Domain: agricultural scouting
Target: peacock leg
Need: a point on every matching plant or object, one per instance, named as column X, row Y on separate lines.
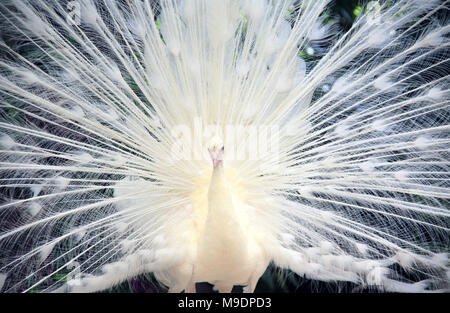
column 254, row 278
column 191, row 288
column 223, row 287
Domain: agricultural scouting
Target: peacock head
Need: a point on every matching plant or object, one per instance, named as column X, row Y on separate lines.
column 216, row 150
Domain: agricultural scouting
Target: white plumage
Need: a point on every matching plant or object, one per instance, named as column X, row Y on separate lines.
column 336, row 144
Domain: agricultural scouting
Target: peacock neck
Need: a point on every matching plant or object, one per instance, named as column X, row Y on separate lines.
column 219, row 193
column 222, row 247
column 221, row 211
column 218, row 171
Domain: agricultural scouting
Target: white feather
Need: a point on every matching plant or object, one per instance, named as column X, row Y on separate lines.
column 2, row 280
column 6, row 141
